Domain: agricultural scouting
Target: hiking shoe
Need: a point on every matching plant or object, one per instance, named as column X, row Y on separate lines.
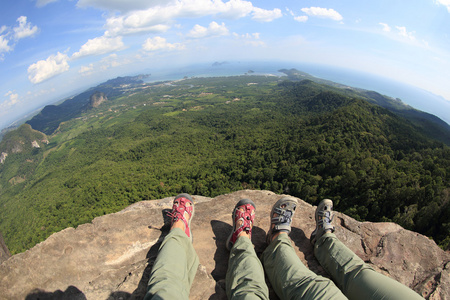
column 179, row 209
column 281, row 216
column 243, row 211
column 324, row 217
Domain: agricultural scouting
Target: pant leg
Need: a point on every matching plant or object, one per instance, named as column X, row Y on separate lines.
column 354, row 277
column 245, row 275
column 290, row 278
column 174, row 268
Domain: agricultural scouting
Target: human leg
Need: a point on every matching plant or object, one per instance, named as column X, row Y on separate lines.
column 356, row 279
column 174, row 268
column 289, row 277
column 245, row 275
column 177, row 262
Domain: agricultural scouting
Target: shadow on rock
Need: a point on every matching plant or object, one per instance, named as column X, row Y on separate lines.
column 221, row 231
column 141, row 289
column 71, row 293
column 304, row 245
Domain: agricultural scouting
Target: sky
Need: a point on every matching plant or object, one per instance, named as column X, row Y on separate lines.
column 50, row 49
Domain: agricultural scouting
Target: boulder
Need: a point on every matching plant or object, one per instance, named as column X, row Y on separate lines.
column 111, row 257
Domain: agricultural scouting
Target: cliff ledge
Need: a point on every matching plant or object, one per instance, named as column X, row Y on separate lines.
column 111, row 257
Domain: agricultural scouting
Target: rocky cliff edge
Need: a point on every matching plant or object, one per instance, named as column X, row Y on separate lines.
column 111, row 258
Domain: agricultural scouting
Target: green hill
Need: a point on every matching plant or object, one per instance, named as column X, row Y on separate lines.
column 211, row 136
column 51, row 116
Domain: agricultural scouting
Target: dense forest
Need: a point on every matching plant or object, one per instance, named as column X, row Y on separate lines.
column 210, row 136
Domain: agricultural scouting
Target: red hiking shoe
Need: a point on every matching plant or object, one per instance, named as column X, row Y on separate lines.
column 179, row 209
column 243, row 211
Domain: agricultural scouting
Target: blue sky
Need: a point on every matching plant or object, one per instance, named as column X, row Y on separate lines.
column 52, row 48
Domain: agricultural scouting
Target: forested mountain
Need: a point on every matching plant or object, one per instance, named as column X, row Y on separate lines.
column 51, row 116
column 210, row 136
column 431, row 125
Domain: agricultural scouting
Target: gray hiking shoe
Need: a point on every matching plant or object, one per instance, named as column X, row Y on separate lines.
column 324, row 217
column 281, row 216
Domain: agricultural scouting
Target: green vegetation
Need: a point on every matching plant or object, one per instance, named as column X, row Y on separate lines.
column 210, row 136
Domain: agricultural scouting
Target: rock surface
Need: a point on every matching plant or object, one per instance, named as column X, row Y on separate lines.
column 96, row 99
column 111, row 257
column 4, row 252
column 3, row 156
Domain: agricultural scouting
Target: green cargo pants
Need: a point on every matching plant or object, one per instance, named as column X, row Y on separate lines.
column 356, row 279
column 174, row 268
column 245, row 274
column 292, row 280
column 288, row 276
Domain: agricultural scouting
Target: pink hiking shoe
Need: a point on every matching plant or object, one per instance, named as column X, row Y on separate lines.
column 179, row 209
column 243, row 211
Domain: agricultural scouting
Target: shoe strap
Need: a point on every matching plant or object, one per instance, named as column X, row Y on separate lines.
column 283, row 220
column 326, row 217
column 178, row 210
column 247, row 216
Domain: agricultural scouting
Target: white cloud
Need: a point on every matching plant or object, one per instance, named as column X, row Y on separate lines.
column 213, row 30
column 301, row 18
column 45, row 69
column 112, row 61
column 120, row 5
column 159, row 18
column 250, row 39
column 100, row 45
column 289, row 11
column 10, row 36
column 108, row 62
column 264, row 15
column 404, row 33
column 136, row 23
column 320, row 12
column 4, row 47
column 24, row 29
column 86, row 70
column 233, row 9
column 386, row 27
column 446, row 3
column 13, row 99
column 41, row 3
column 401, row 34
column 158, row 43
